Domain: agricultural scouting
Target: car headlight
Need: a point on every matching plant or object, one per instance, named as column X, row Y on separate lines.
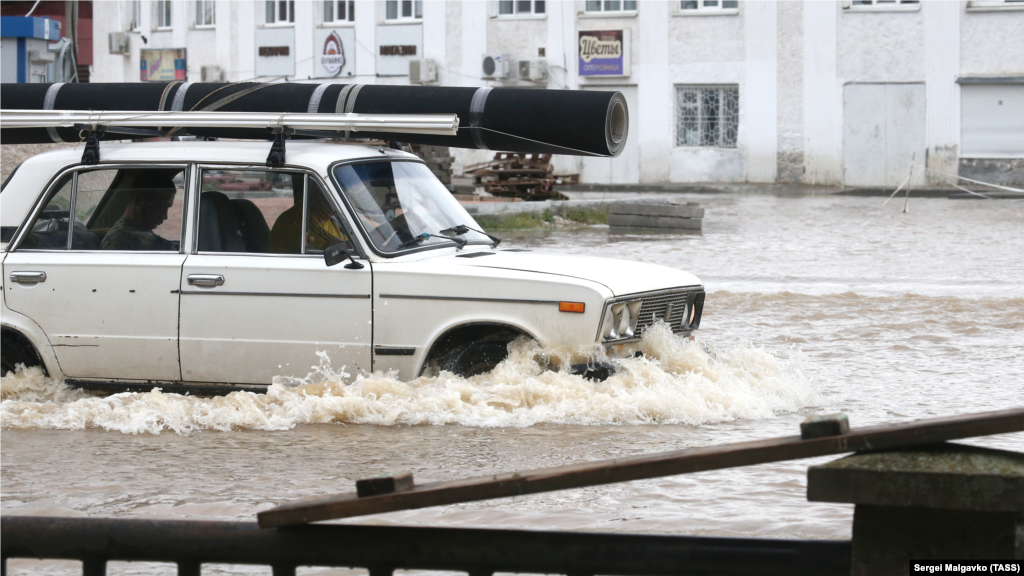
column 620, row 320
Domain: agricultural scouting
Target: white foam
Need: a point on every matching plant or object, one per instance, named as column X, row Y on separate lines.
column 677, row 382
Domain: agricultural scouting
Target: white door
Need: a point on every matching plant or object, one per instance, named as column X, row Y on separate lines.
column 624, row 168
column 883, row 134
column 103, row 284
column 992, row 121
column 257, row 299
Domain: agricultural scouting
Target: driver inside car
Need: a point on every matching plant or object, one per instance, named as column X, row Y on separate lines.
column 151, row 197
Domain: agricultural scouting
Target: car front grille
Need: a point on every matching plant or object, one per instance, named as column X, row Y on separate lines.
column 673, row 307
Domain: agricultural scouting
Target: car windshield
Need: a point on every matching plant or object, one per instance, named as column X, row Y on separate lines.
column 395, row 202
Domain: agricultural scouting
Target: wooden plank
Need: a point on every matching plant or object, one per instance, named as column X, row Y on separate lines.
column 645, row 466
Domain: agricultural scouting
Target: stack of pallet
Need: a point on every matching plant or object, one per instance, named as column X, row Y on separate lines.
column 438, row 159
column 528, row 176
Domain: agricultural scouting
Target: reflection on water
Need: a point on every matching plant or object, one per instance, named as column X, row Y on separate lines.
column 815, row 305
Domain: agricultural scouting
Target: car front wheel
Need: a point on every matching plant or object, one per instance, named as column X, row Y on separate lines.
column 477, row 357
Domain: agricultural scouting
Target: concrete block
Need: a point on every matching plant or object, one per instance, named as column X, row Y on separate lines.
column 943, row 501
column 384, row 484
column 667, row 223
column 950, row 476
column 824, row 426
column 661, row 209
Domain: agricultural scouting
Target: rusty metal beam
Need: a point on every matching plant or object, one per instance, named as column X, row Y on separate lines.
column 383, row 549
column 645, row 466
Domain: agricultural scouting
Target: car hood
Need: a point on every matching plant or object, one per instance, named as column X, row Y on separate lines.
column 620, row 276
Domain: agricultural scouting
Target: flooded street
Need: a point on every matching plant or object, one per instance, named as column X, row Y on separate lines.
column 815, row 305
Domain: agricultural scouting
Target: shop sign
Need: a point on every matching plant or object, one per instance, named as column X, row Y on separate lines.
column 334, row 52
column 163, row 65
column 604, row 52
column 275, row 51
column 396, row 46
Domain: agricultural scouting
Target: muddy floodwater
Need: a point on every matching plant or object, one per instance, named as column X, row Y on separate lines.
column 815, row 305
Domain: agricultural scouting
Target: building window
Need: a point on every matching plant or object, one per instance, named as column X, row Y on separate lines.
column 883, row 5
column 512, row 7
column 403, row 9
column 708, row 5
column 611, row 5
column 206, row 13
column 707, row 116
column 163, row 13
column 280, row 12
column 133, row 10
column 337, row 11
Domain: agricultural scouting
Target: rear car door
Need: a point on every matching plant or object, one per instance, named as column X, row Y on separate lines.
column 257, row 299
column 98, row 269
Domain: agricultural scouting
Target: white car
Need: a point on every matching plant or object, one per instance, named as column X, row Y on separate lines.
column 193, row 263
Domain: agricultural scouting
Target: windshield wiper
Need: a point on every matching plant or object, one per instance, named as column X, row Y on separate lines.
column 419, row 239
column 460, row 229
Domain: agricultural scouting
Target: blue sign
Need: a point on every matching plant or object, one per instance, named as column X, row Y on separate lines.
column 603, row 53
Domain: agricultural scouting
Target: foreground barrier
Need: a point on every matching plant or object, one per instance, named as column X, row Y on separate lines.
column 917, row 498
column 382, row 549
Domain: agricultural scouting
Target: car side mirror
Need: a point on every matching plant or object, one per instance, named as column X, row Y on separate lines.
column 336, row 254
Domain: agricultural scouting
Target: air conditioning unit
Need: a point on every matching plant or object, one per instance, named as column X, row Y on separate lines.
column 533, row 70
column 422, row 71
column 211, row 74
column 118, row 43
column 496, row 65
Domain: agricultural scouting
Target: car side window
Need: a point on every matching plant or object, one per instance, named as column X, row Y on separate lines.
column 323, row 226
column 261, row 212
column 49, row 231
column 129, row 209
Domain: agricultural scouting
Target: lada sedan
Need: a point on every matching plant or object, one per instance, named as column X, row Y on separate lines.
column 193, row 263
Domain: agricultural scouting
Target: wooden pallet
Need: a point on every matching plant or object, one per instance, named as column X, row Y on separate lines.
column 521, row 175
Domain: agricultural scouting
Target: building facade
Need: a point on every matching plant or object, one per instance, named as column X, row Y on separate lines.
column 847, row 93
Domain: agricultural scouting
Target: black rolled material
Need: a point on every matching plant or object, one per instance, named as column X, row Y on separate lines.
column 576, row 122
column 386, row 548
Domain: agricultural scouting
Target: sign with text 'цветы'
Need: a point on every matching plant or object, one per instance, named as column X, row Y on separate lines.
column 604, row 52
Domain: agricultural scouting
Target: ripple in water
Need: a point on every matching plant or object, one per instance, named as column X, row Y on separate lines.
column 678, row 381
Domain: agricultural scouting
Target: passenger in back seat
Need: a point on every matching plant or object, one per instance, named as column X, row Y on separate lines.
column 151, row 198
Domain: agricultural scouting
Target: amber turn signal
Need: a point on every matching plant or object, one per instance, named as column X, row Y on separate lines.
column 571, row 307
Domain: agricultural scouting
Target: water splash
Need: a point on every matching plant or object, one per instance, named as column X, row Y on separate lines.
column 677, row 381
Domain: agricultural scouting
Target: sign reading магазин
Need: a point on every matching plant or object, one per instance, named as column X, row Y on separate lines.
column 396, row 46
column 604, row 52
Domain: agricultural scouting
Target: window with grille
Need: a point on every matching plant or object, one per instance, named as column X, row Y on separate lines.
column 339, row 11
column 403, row 9
column 707, row 116
column 512, row 7
column 206, row 13
column 708, row 5
column 280, row 11
column 163, row 13
column 611, row 5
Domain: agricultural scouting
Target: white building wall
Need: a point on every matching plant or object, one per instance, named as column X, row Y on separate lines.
column 654, row 91
column 822, row 101
column 791, row 61
column 706, row 49
column 942, row 94
column 759, row 108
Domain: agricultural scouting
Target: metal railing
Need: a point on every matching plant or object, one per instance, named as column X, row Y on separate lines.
column 382, row 549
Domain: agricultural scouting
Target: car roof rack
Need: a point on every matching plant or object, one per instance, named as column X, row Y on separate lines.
column 92, row 125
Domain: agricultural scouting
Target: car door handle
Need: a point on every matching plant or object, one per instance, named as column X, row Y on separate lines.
column 28, row 277
column 208, row 280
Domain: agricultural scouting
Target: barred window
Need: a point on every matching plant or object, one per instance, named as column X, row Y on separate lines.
column 707, row 115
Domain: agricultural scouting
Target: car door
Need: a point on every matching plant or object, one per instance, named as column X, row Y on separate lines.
column 257, row 299
column 98, row 269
